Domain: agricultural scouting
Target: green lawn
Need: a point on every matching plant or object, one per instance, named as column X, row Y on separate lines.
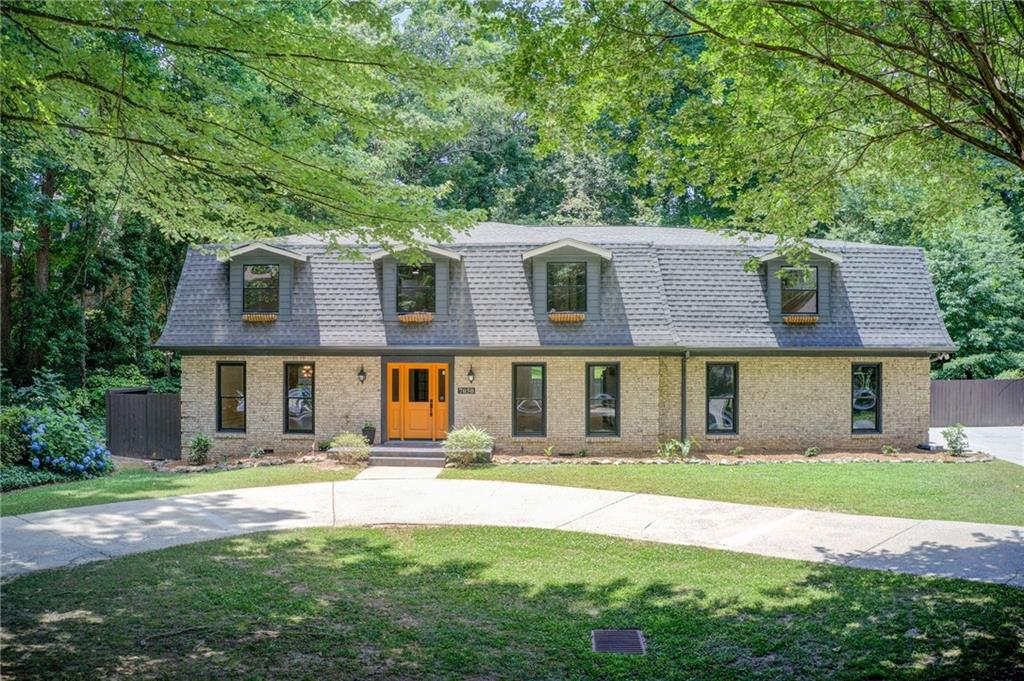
column 495, row 603
column 141, row 483
column 980, row 492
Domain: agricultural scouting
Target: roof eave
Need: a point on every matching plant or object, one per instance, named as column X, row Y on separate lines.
column 260, row 246
column 432, row 250
column 591, row 249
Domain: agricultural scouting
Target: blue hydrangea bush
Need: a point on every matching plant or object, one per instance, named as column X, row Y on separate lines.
column 64, row 443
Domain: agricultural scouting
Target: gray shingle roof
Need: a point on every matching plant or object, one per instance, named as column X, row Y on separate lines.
column 665, row 288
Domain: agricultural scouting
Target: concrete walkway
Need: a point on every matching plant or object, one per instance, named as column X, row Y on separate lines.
column 991, row 553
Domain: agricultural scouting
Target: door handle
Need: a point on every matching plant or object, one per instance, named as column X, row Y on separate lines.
column 431, row 407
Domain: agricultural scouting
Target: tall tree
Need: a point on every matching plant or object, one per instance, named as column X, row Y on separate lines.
column 785, row 101
column 226, row 120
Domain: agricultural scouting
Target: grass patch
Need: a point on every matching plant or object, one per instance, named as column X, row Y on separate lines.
column 496, row 603
column 142, row 483
column 978, row 492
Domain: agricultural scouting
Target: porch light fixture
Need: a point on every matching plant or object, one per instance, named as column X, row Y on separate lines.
column 471, row 376
column 362, row 374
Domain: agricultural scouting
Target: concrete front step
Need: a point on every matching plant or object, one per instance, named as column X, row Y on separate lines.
column 392, row 459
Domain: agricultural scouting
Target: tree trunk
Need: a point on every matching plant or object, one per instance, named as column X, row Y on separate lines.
column 42, row 275
column 6, row 282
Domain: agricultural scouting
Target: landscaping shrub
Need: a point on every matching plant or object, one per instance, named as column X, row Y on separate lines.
column 13, row 438
column 675, row 449
column 736, row 451
column 19, row 477
column 956, row 439
column 256, row 453
column 199, row 449
column 91, row 399
column 890, row 450
column 64, row 443
column 811, row 452
column 351, row 447
column 468, row 445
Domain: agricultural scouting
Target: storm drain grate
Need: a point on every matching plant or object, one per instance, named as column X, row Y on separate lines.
column 621, row 641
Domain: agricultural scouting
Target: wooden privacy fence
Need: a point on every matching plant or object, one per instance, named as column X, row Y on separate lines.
column 993, row 402
column 143, row 424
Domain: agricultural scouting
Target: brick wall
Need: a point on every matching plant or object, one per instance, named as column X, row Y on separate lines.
column 491, row 405
column 341, row 402
column 788, row 403
column 785, row 403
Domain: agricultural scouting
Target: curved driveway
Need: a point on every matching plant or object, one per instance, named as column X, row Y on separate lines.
column 992, row 553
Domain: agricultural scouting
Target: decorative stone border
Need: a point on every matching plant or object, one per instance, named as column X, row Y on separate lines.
column 168, row 467
column 731, row 461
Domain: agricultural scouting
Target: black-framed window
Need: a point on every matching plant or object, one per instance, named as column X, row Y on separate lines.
column 261, row 288
column 529, row 406
column 299, row 394
column 416, row 288
column 603, row 399
column 231, row 397
column 866, row 398
column 722, row 388
column 799, row 290
column 567, row 287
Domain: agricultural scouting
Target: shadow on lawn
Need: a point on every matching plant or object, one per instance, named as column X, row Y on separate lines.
column 320, row 605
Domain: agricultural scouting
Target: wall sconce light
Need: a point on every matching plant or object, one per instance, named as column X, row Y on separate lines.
column 471, row 376
column 361, row 375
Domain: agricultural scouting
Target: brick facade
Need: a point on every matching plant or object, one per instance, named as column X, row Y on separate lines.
column 785, row 403
column 788, row 403
column 341, row 402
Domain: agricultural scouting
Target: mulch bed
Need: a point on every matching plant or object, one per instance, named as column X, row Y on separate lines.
column 746, row 459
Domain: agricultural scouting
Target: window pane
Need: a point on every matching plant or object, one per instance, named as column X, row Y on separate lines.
column 232, row 380
column 395, row 386
column 567, row 286
column 300, row 414
column 260, row 285
column 602, row 400
column 721, row 397
column 419, row 385
column 528, row 397
column 721, row 380
column 866, row 400
column 299, row 397
column 800, row 291
column 442, row 384
column 415, row 288
column 232, row 413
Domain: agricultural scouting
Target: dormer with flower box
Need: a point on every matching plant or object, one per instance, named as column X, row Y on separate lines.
column 800, row 294
column 415, row 292
column 260, row 280
column 566, row 277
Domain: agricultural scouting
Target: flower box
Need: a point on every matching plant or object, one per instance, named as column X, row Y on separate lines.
column 416, row 317
column 800, row 319
column 259, row 317
column 566, row 317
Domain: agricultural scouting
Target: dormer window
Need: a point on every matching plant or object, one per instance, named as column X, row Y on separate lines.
column 416, row 288
column 799, row 291
column 260, row 288
column 567, row 287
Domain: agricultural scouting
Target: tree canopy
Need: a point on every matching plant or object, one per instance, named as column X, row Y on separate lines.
column 228, row 120
column 770, row 108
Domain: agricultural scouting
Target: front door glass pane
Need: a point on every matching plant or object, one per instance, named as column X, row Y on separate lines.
column 442, row 388
column 419, row 385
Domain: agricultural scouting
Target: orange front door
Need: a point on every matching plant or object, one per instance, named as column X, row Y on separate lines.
column 417, row 401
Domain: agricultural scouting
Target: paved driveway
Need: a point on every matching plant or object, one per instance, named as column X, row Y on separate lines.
column 1004, row 442
column 991, row 553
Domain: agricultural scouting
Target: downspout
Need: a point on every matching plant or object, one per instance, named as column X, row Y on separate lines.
column 682, row 424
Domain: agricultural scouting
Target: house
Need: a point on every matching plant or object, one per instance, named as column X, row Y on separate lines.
column 609, row 339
